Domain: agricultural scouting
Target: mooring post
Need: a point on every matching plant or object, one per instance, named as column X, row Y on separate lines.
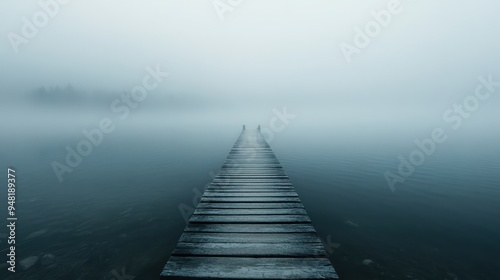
column 258, row 127
column 243, row 127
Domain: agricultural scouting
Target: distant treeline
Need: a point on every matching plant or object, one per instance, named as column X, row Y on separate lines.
column 69, row 95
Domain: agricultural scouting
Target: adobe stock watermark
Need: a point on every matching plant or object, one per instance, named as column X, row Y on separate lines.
column 277, row 123
column 40, row 19
column 121, row 106
column 329, row 245
column 363, row 36
column 453, row 116
column 225, row 6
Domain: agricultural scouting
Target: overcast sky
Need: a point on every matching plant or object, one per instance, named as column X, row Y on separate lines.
column 284, row 52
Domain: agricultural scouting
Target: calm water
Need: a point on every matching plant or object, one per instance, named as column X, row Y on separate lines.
column 118, row 211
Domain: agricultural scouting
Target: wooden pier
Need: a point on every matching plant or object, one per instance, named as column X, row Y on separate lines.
column 249, row 224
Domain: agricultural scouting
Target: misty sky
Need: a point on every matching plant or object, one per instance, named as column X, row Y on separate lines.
column 281, row 53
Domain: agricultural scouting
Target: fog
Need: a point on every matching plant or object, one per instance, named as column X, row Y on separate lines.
column 262, row 55
column 115, row 112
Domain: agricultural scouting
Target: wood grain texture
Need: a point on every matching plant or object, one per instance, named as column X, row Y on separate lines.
column 197, row 237
column 277, row 205
column 249, row 219
column 258, row 211
column 250, row 194
column 250, row 228
column 248, row 199
column 256, row 249
column 248, row 268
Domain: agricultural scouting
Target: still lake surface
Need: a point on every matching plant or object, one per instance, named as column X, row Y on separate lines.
column 117, row 214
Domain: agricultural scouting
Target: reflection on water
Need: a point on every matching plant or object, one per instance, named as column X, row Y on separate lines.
column 118, row 211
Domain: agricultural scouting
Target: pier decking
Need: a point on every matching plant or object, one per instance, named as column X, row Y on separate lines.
column 249, row 224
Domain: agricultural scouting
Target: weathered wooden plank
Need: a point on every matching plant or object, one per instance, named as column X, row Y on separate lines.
column 279, row 205
column 251, row 169
column 250, row 152
column 240, row 172
column 268, row 160
column 262, row 150
column 250, row 190
column 252, row 161
column 242, row 181
column 248, row 268
column 263, row 250
column 252, row 184
column 250, row 228
column 255, row 148
column 266, row 150
column 249, row 219
column 203, row 237
column 249, row 194
column 250, row 172
column 253, row 190
column 279, row 211
column 251, row 165
column 258, row 187
column 250, row 187
column 256, row 178
column 251, row 177
column 249, row 199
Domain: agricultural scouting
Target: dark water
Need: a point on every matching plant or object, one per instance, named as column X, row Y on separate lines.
column 118, row 212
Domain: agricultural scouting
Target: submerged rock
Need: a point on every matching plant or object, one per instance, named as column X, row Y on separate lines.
column 351, row 223
column 367, row 262
column 28, row 262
